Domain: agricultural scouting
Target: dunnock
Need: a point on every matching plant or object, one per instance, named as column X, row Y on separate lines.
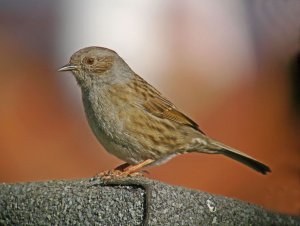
column 132, row 120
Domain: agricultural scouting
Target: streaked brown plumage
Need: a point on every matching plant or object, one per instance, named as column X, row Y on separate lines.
column 132, row 120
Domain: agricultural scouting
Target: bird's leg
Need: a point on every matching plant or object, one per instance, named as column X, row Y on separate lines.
column 132, row 169
column 122, row 167
column 125, row 170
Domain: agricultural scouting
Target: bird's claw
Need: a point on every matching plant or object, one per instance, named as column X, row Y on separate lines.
column 115, row 174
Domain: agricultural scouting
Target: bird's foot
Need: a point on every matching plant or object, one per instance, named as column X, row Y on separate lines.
column 117, row 174
column 125, row 170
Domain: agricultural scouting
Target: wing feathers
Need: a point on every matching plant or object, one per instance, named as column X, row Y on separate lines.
column 162, row 108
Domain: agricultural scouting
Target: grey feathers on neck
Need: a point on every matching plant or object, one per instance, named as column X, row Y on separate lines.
column 119, row 73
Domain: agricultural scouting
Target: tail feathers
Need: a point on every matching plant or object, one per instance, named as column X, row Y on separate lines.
column 241, row 157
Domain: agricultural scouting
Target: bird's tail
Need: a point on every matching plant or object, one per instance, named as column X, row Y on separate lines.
column 239, row 156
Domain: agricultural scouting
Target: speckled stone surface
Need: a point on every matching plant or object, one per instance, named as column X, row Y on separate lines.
column 131, row 201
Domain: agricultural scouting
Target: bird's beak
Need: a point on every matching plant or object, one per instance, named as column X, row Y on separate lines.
column 68, row 67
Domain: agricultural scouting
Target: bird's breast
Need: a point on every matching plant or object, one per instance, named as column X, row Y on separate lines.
column 100, row 112
column 107, row 114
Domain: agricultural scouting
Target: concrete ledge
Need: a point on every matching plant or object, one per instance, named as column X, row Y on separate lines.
column 131, row 201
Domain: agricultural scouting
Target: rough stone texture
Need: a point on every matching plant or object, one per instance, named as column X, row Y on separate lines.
column 131, row 201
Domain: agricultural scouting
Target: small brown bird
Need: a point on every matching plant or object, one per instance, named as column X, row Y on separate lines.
column 132, row 120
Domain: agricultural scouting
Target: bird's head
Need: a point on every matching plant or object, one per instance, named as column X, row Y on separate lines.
column 94, row 63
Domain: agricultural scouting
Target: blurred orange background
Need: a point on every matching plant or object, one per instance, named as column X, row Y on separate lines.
column 225, row 64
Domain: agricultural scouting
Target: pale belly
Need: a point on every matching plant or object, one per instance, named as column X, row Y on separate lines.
column 109, row 131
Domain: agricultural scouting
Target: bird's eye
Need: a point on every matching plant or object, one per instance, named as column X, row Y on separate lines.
column 89, row 60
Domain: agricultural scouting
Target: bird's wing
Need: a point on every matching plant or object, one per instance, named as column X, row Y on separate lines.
column 164, row 109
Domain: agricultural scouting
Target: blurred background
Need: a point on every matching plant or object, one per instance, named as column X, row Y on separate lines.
column 232, row 66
